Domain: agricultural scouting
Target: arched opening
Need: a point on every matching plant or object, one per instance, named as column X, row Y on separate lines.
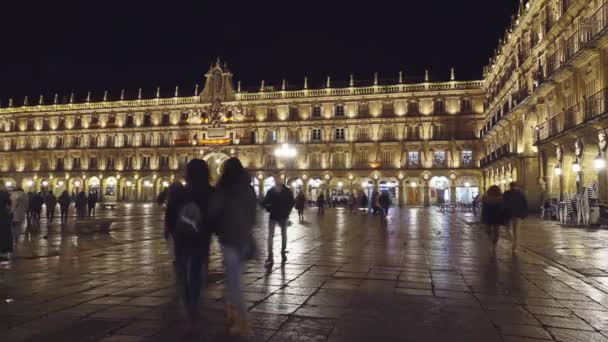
column 440, row 190
column 10, row 184
column 390, row 185
column 127, row 190
column 413, row 191
column 146, row 186
column 467, row 188
column 315, row 188
column 94, row 186
column 110, row 191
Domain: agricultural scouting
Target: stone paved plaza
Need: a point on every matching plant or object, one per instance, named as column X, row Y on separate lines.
column 425, row 276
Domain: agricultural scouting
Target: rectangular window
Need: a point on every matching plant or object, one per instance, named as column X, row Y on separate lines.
column 316, row 111
column 111, row 165
column 388, row 133
column 386, row 158
column 439, row 107
column 130, row 121
column 467, row 158
column 340, row 136
column 166, row 119
column 315, row 134
column 76, row 164
column 412, row 108
column 93, row 163
column 439, row 159
column 273, row 136
column 361, row 159
column 315, row 161
column 363, row 134
column 59, row 164
column 76, row 141
column 339, row 110
column 465, row 106
column 59, row 142
column 413, row 159
column 339, row 160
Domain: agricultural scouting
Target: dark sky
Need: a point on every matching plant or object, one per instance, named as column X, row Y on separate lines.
column 59, row 46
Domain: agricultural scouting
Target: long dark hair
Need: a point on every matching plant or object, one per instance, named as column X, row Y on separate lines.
column 197, row 174
column 234, row 173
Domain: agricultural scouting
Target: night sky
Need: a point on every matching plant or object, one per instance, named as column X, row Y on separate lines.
column 55, row 46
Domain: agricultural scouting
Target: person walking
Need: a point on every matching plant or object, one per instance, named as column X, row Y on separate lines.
column 64, row 204
column 352, row 202
column 475, row 204
column 235, row 194
column 493, row 215
column 363, row 203
column 29, row 213
column 6, row 224
column 516, row 208
column 80, row 203
column 188, row 225
column 36, row 206
column 19, row 208
column 92, row 202
column 300, row 202
column 384, row 202
column 321, row 204
column 278, row 202
column 50, row 201
column 376, row 203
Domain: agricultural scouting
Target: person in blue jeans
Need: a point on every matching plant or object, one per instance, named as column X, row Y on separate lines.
column 233, row 207
column 278, row 202
column 191, row 248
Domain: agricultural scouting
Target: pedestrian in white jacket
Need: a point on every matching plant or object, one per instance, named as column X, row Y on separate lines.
column 19, row 207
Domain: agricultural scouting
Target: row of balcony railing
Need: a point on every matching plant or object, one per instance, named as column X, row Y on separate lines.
column 585, row 32
column 499, row 153
column 593, row 107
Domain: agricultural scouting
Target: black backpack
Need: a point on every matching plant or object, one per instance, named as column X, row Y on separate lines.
column 189, row 221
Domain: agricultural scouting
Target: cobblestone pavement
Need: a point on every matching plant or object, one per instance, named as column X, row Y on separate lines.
column 425, row 276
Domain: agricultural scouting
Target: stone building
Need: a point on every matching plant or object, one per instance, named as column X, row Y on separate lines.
column 537, row 117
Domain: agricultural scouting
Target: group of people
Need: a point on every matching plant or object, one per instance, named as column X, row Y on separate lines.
column 18, row 209
column 503, row 209
column 194, row 213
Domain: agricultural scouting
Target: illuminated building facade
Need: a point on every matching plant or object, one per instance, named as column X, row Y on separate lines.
column 538, row 111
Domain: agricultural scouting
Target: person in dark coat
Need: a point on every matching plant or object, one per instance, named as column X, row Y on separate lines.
column 234, row 194
column 191, row 250
column 80, row 203
column 321, row 204
column 50, row 201
column 516, row 209
column 64, row 204
column 6, row 224
column 278, row 202
column 300, row 202
column 384, row 201
column 493, row 214
column 37, row 202
column 92, row 202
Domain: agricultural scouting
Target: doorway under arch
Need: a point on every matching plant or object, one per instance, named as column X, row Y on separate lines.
column 440, row 190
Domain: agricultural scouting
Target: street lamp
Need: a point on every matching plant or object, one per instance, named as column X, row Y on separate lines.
column 285, row 151
column 557, row 170
column 576, row 167
column 599, row 163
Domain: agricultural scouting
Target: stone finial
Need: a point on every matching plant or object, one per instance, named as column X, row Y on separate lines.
column 283, row 85
column 196, row 89
column 352, row 80
column 305, row 82
column 41, row 100
column 400, row 76
column 176, row 91
column 105, row 95
column 262, row 86
column 139, row 94
column 10, row 102
column 89, row 96
column 328, row 83
column 452, row 74
column 56, row 99
column 26, row 101
column 238, row 86
column 122, row 94
column 375, row 78
column 157, row 92
column 426, row 75
column 72, row 97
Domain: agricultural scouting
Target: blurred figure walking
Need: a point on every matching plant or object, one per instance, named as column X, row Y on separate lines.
column 92, row 202
column 50, row 201
column 279, row 203
column 19, row 208
column 80, row 203
column 493, row 214
column 516, row 208
column 300, row 202
column 187, row 223
column 321, row 204
column 234, row 194
column 64, row 204
column 6, row 224
column 36, row 206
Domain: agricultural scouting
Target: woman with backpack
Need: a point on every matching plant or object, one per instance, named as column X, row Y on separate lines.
column 234, row 194
column 186, row 222
column 493, row 214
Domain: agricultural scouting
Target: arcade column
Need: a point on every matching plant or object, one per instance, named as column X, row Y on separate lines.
column 453, row 192
column 401, row 188
column 425, row 191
